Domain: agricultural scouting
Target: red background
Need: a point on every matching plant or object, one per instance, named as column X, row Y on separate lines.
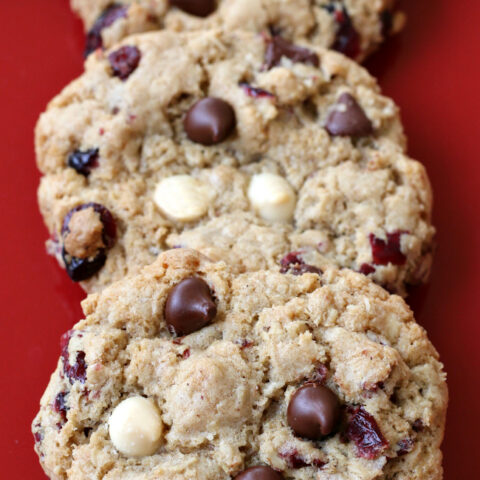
column 432, row 70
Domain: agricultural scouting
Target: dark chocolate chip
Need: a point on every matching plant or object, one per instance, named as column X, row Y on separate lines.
column 199, row 8
column 209, row 121
column 189, row 306
column 108, row 17
column 260, row 472
column 278, row 47
column 83, row 161
column 348, row 119
column 124, row 61
column 313, row 411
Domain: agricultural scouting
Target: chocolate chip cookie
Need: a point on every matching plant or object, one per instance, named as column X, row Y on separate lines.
column 189, row 370
column 250, row 149
column 353, row 27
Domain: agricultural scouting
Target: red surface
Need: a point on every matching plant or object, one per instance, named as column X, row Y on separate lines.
column 432, row 70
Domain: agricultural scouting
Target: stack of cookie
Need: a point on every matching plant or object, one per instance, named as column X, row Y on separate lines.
column 229, row 188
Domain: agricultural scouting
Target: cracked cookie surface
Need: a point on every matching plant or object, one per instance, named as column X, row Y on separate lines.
column 247, row 148
column 228, row 395
column 353, row 27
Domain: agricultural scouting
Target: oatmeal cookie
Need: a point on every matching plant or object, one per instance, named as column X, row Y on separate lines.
column 353, row 27
column 190, row 370
column 248, row 148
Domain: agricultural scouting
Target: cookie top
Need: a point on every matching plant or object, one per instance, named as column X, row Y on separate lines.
column 245, row 147
column 353, row 27
column 315, row 376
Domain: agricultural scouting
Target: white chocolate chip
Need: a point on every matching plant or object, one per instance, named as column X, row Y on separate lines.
column 183, row 198
column 272, row 197
column 135, row 427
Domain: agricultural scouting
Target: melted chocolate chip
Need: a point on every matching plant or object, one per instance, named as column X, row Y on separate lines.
column 83, row 161
column 259, row 473
column 348, row 118
column 313, row 411
column 199, row 8
column 209, row 121
column 189, row 306
column 108, row 17
column 124, row 61
column 278, row 47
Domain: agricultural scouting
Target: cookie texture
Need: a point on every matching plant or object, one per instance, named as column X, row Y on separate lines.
column 353, row 27
column 228, row 396
column 250, row 149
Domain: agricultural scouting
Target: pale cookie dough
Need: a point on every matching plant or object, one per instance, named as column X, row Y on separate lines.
column 275, row 156
column 353, row 27
column 130, row 399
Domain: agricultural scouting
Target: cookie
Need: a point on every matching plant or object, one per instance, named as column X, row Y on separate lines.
column 249, row 149
column 189, row 370
column 353, row 27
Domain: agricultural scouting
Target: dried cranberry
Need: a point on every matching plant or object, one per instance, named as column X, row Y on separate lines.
column 278, row 47
column 186, row 353
column 109, row 225
column 38, row 437
column 293, row 263
column 320, row 375
column 347, row 39
column 385, row 252
column 373, row 387
column 316, row 462
column 107, row 18
column 83, row 161
column 77, row 371
column 295, row 460
column 362, row 429
column 366, row 269
column 291, row 258
column 124, row 61
column 60, row 406
column 80, row 269
column 255, row 92
column 245, row 344
column 405, row 446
